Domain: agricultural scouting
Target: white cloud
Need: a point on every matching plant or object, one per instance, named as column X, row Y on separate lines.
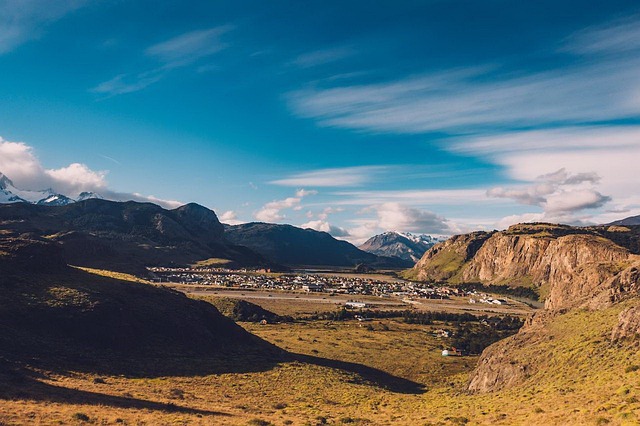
column 77, row 177
column 339, row 177
column 25, row 20
column 272, row 211
column 392, row 216
column 20, row 164
column 304, row 192
column 604, row 160
column 324, row 226
column 395, row 216
column 329, row 210
column 557, row 192
column 230, row 217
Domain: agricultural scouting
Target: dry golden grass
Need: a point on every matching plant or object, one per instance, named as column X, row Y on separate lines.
column 214, row 261
column 581, row 379
column 112, row 274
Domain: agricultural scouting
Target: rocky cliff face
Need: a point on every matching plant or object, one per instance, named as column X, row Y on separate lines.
column 568, row 266
column 573, row 268
column 445, row 260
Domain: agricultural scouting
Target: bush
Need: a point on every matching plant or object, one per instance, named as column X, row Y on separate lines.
column 81, row 416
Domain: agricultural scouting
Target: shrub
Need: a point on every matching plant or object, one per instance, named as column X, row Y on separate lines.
column 81, row 416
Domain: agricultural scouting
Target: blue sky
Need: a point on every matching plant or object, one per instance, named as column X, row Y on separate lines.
column 351, row 117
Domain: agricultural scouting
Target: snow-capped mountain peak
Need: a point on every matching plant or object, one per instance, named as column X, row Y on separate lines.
column 404, row 245
column 88, row 195
column 10, row 194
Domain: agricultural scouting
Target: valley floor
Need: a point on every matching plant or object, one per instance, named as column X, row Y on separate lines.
column 380, row 373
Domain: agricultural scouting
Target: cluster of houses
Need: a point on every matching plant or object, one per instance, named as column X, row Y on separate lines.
column 485, row 298
column 314, row 283
column 309, row 282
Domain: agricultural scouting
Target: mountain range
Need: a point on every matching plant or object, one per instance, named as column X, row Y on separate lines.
column 407, row 246
column 10, row 194
column 290, row 245
column 629, row 221
column 128, row 236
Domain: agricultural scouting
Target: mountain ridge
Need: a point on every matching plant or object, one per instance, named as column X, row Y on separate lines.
column 127, row 236
column 407, row 246
column 294, row 246
column 576, row 270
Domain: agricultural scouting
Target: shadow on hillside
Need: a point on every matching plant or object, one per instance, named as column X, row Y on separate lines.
column 368, row 374
column 21, row 384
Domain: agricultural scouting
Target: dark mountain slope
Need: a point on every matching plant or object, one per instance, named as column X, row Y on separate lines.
column 628, row 221
column 61, row 317
column 127, row 236
column 291, row 246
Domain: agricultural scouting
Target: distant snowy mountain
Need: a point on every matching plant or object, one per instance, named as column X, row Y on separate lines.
column 48, row 197
column 88, row 195
column 403, row 245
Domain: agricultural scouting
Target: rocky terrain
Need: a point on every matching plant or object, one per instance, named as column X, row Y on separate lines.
column 575, row 270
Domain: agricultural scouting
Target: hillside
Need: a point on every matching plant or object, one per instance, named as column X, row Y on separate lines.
column 628, row 221
column 586, row 276
column 126, row 236
column 59, row 317
column 544, row 257
column 394, row 244
column 289, row 245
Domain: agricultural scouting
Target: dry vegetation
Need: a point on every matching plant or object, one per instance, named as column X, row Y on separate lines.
column 380, row 372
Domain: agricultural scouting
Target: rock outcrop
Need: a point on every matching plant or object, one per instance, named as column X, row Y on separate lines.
column 445, row 260
column 628, row 325
column 568, row 266
column 572, row 268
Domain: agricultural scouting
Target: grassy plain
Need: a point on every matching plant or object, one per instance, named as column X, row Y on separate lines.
column 376, row 373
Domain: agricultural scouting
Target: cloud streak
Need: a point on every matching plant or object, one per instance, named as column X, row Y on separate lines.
column 322, row 57
column 338, row 177
column 603, row 85
column 25, row 20
column 178, row 52
column 477, row 99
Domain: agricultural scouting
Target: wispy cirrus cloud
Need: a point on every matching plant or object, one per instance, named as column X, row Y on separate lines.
column 478, row 99
column 602, row 85
column 456, row 196
column 337, row 177
column 322, row 56
column 25, row 20
column 189, row 47
column 616, row 37
column 177, row 52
